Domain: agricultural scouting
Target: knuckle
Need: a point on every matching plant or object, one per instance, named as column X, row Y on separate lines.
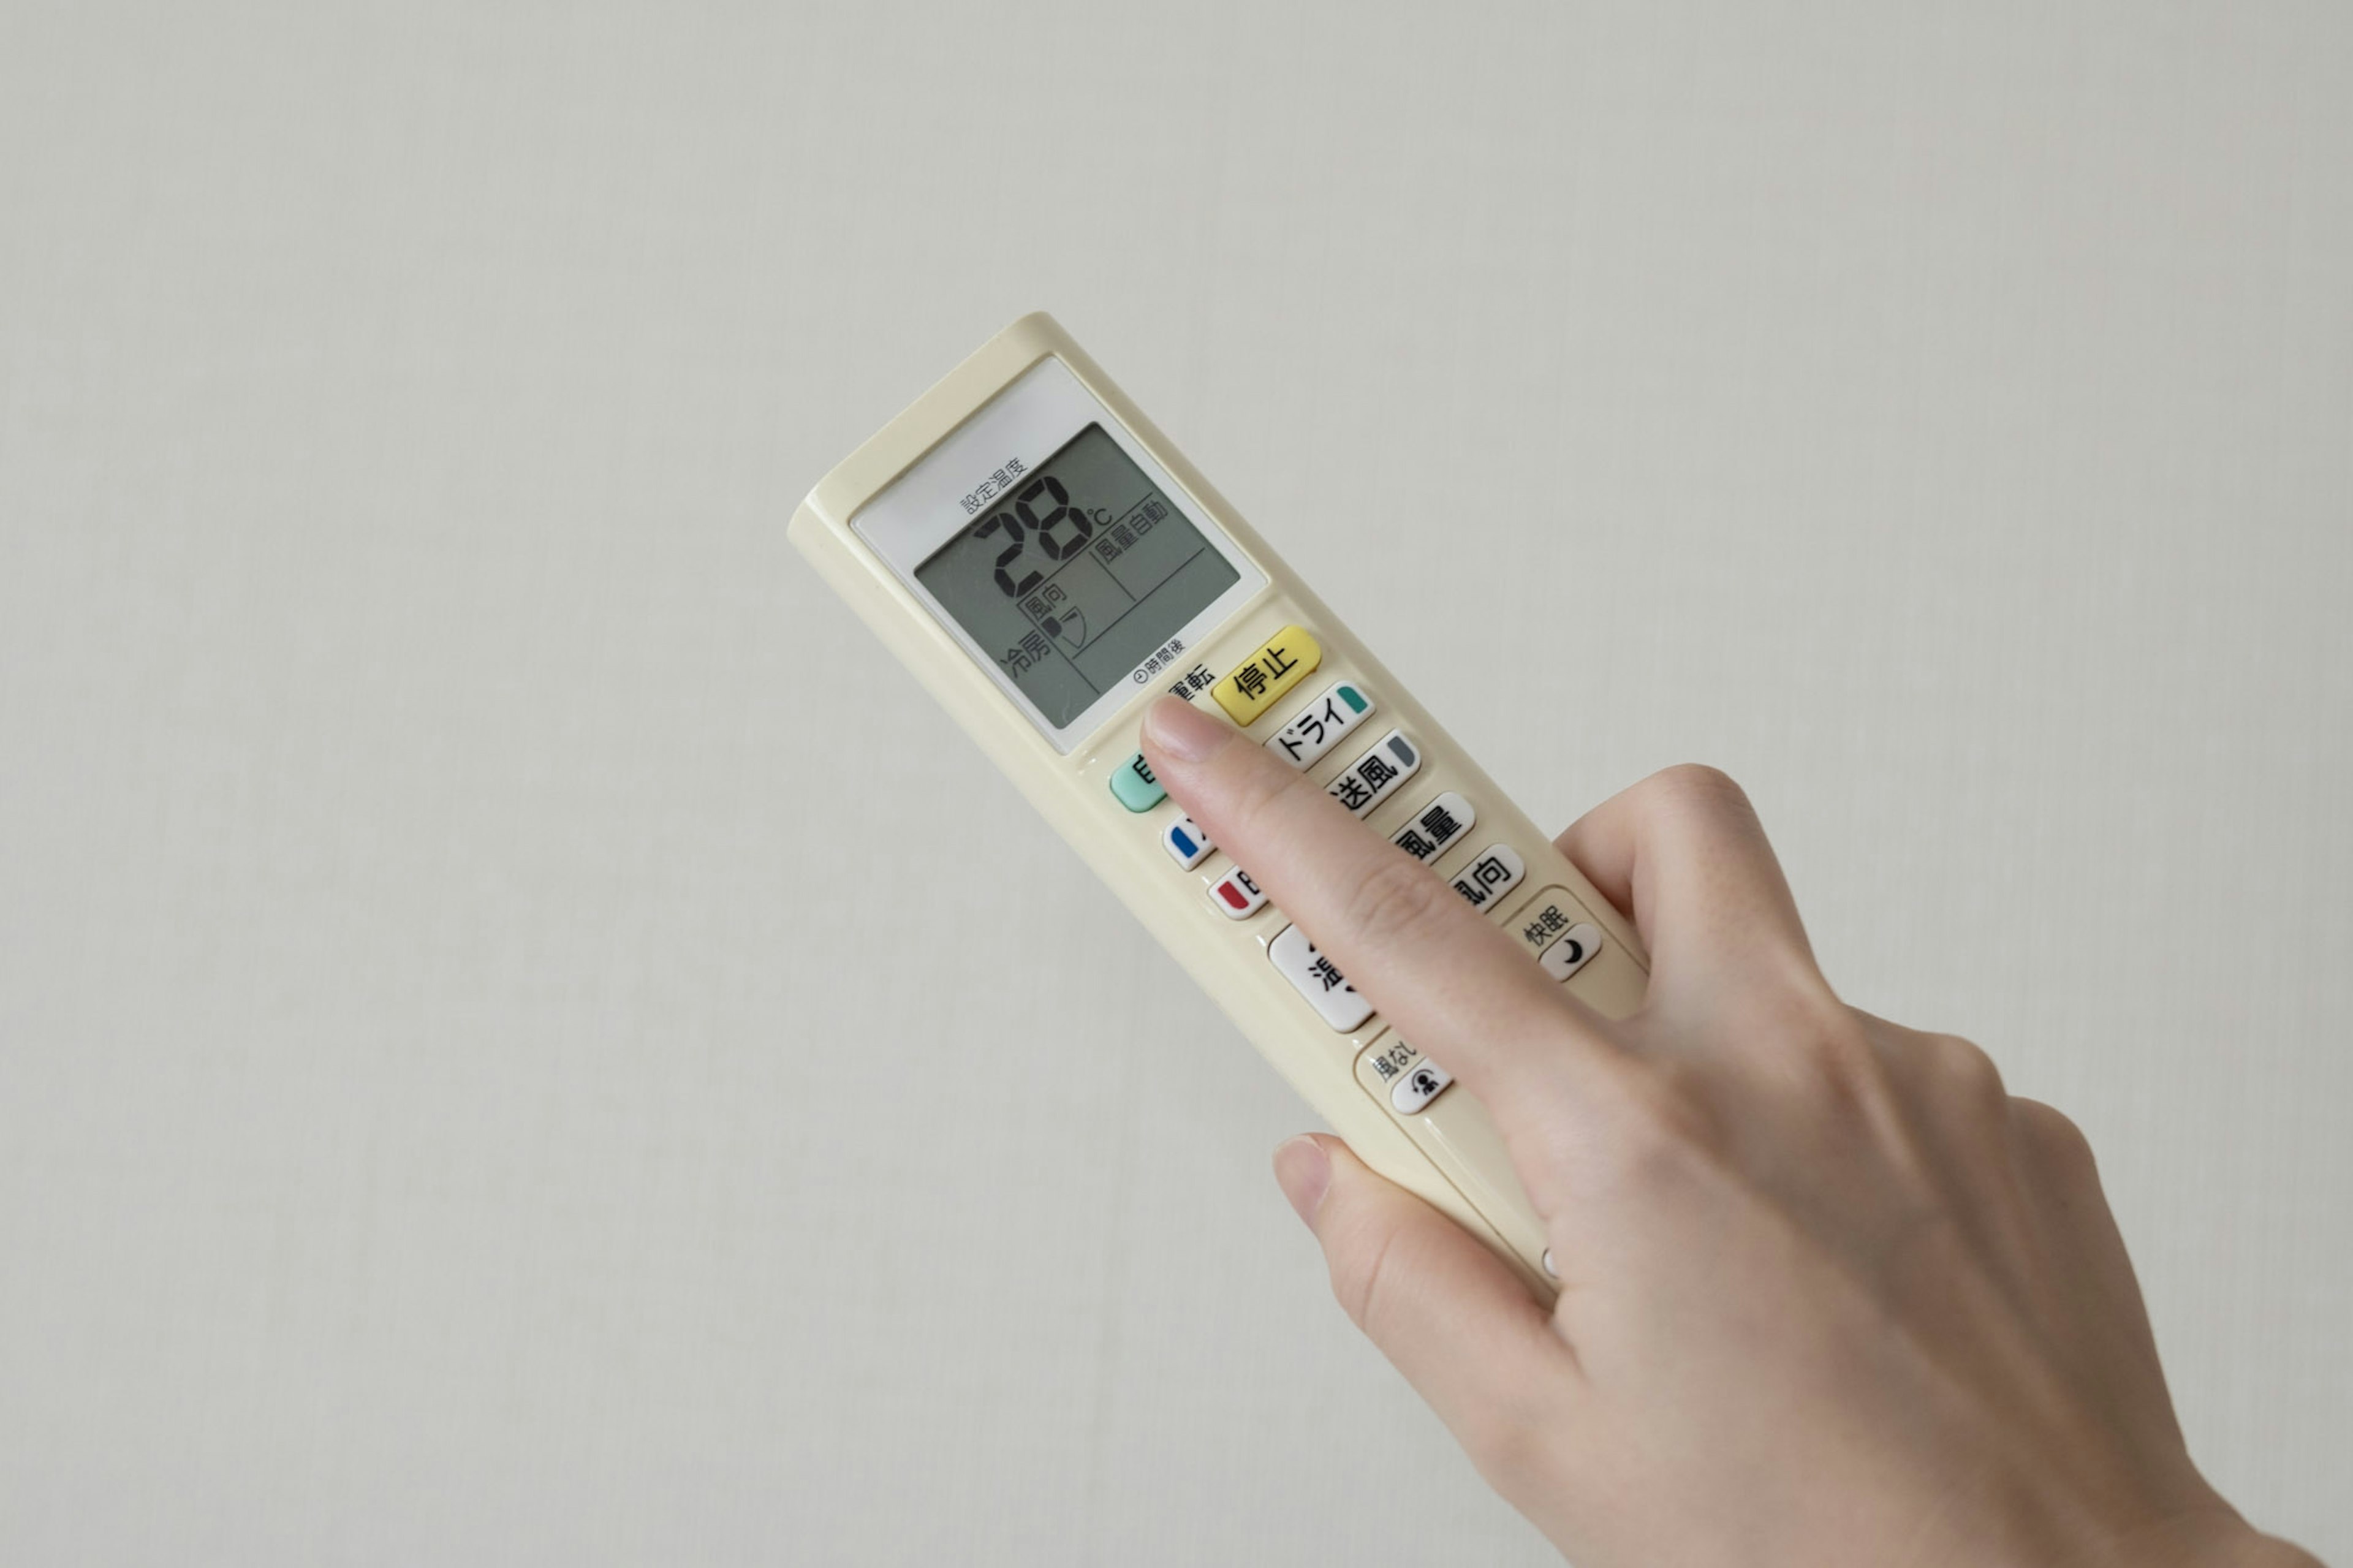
column 1698, row 785
column 1964, row 1076
column 1846, row 1073
column 1809, row 1018
column 1830, row 1042
column 1395, row 896
column 2054, row 1133
column 1837, row 1039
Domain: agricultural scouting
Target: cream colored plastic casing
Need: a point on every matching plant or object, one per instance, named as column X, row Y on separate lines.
column 1357, row 1079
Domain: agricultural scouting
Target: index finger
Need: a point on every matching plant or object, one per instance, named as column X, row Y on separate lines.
column 1447, row 978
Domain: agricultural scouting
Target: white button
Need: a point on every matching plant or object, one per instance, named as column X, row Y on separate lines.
column 1376, row 774
column 1439, row 824
column 1550, row 1272
column 1571, row 952
column 1186, row 843
column 1422, row 1083
column 1496, row 872
column 1237, row 897
column 1326, row 989
column 1320, row 725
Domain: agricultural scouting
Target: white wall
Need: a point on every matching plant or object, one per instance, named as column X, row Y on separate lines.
column 522, row 1039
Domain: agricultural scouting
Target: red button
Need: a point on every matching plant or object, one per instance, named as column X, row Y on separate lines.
column 1236, row 895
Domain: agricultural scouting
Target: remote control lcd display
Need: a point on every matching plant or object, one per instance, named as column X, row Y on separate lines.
column 1077, row 573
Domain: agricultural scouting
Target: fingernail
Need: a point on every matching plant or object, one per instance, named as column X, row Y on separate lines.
column 1183, row 730
column 1302, row 1171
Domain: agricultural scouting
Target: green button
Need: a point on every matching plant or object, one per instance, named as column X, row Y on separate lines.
column 1132, row 782
column 1352, row 698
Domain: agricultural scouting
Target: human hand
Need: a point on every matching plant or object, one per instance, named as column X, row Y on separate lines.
column 1829, row 1293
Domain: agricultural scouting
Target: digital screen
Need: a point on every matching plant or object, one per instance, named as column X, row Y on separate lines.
column 1080, row 572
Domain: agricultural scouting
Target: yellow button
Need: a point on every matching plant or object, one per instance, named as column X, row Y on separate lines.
column 1267, row 674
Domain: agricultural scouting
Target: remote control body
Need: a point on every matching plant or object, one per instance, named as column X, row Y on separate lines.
column 1046, row 564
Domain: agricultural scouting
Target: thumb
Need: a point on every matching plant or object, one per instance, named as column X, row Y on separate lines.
column 1446, row 1311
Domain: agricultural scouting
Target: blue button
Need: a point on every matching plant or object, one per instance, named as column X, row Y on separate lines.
column 1186, row 843
column 1132, row 782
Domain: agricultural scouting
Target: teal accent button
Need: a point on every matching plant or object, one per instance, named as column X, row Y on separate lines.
column 1132, row 782
column 1352, row 697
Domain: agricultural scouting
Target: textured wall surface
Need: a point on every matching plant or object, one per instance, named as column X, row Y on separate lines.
column 525, row 1039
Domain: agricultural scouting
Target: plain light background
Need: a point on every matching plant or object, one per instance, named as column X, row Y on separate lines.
column 525, row 1039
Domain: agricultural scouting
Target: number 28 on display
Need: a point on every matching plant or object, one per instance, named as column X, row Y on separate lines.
column 1016, row 530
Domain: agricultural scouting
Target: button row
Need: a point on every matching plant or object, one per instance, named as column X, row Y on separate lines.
column 1277, row 667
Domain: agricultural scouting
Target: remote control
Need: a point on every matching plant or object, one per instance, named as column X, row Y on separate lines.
column 1046, row 564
